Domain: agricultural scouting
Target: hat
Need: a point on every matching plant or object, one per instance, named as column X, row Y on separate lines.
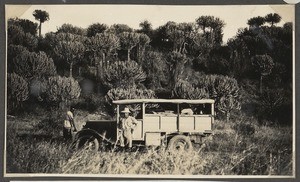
column 126, row 110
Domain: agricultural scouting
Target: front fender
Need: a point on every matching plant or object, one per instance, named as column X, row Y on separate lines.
column 94, row 133
column 88, row 131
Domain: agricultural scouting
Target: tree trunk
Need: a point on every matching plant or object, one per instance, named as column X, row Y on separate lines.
column 138, row 53
column 71, row 69
column 227, row 116
column 203, row 29
column 103, row 60
column 40, row 29
column 142, row 53
column 128, row 54
column 260, row 84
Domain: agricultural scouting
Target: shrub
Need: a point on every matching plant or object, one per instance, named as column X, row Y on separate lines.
column 12, row 52
column 227, row 105
column 16, row 36
column 123, row 75
column 219, row 86
column 95, row 28
column 244, row 128
column 69, row 28
column 30, row 64
column 183, row 89
column 224, row 90
column 176, row 63
column 274, row 105
column 130, row 93
column 90, row 102
column 62, row 89
column 155, row 66
column 17, row 91
column 27, row 25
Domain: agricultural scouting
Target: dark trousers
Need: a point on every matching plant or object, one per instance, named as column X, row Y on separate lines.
column 67, row 133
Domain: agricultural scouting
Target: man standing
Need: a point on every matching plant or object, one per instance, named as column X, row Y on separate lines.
column 127, row 125
column 69, row 124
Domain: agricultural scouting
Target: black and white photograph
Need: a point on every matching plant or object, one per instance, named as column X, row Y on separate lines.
column 168, row 91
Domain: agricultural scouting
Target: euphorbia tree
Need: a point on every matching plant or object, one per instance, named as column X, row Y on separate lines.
column 62, row 90
column 70, row 49
column 128, row 41
column 263, row 65
column 33, row 65
column 41, row 16
column 102, row 45
column 17, row 91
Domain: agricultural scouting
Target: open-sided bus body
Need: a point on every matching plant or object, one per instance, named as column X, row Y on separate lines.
column 159, row 121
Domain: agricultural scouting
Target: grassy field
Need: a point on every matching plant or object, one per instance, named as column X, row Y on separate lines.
column 235, row 148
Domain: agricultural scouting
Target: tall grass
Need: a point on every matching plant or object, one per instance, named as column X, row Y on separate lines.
column 232, row 150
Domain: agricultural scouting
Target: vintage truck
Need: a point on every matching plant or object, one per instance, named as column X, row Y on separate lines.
column 161, row 122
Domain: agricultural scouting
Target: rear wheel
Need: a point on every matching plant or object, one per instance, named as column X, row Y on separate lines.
column 180, row 143
column 87, row 142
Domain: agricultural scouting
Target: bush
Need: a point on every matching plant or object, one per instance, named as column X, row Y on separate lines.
column 123, row 75
column 155, row 66
column 69, row 28
column 90, row 102
column 271, row 105
column 131, row 93
column 30, row 64
column 244, row 128
column 12, row 52
column 227, row 105
column 224, row 90
column 17, row 36
column 17, row 91
column 27, row 25
column 95, row 28
column 62, row 89
column 185, row 90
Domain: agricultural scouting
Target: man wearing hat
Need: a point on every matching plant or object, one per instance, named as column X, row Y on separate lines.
column 127, row 125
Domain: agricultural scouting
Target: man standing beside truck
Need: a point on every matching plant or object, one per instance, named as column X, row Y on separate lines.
column 127, row 125
column 69, row 124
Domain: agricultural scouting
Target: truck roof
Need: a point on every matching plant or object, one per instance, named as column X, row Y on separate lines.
column 173, row 101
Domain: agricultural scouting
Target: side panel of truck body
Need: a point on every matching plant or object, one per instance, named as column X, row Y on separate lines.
column 170, row 124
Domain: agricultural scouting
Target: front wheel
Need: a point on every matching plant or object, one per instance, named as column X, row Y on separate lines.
column 180, row 143
column 87, row 142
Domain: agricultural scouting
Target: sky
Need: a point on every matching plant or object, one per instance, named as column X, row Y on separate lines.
column 234, row 16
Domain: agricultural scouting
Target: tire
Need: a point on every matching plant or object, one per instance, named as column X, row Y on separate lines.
column 87, row 142
column 180, row 143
